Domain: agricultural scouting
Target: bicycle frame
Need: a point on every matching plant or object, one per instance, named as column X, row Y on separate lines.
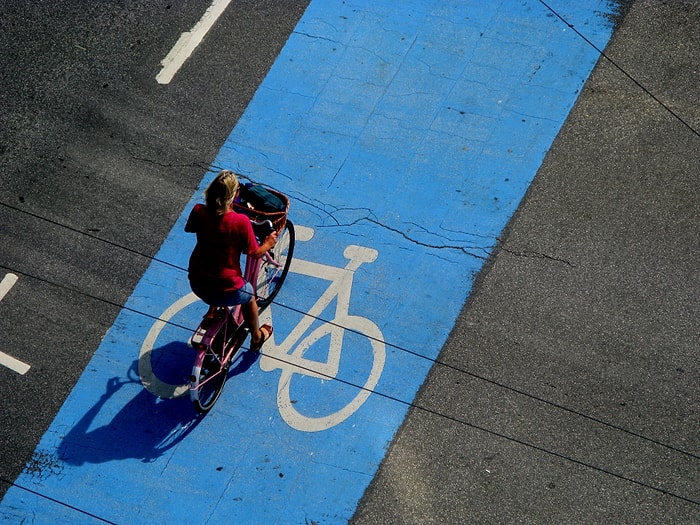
column 204, row 336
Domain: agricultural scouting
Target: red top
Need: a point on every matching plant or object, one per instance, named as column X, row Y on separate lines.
column 215, row 262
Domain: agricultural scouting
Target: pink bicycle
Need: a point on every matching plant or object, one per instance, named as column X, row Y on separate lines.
column 219, row 338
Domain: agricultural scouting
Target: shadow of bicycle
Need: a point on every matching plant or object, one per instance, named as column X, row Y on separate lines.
column 146, row 426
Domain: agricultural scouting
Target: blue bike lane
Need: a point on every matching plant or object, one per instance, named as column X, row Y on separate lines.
column 411, row 131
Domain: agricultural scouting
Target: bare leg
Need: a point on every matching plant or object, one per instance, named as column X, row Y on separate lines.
column 250, row 314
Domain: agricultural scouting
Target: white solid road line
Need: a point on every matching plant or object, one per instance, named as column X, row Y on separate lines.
column 5, row 360
column 7, row 282
column 13, row 364
column 189, row 41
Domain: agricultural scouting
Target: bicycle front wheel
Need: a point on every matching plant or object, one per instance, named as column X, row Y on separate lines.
column 275, row 266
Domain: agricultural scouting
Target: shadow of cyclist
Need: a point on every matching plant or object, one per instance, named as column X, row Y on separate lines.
column 171, row 364
column 243, row 363
column 144, row 428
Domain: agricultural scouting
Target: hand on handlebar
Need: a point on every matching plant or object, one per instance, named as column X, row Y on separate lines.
column 266, row 245
column 270, row 240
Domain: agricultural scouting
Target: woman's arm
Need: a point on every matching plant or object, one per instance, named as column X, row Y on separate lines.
column 193, row 220
column 267, row 245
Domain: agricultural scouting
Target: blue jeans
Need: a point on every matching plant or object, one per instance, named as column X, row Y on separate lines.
column 229, row 298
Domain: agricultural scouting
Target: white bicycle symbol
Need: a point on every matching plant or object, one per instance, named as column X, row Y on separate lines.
column 289, row 354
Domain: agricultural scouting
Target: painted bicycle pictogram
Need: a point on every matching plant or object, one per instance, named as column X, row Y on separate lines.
column 289, row 354
column 292, row 354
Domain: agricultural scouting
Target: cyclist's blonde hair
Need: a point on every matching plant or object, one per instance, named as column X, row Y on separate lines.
column 221, row 192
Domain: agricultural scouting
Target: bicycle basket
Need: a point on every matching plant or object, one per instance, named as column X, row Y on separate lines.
column 261, row 203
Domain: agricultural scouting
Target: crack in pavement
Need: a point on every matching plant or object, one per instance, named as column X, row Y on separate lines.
column 537, row 255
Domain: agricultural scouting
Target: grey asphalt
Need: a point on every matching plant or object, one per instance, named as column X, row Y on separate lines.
column 568, row 391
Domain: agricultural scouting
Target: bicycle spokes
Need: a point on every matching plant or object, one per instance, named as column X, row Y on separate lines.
column 217, row 340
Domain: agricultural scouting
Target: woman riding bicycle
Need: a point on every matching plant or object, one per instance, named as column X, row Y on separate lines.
column 215, row 264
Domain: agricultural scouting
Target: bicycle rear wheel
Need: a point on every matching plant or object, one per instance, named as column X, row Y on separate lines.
column 208, row 378
column 274, row 269
column 209, row 374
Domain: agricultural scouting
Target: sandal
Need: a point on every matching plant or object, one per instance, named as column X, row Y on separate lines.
column 266, row 332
